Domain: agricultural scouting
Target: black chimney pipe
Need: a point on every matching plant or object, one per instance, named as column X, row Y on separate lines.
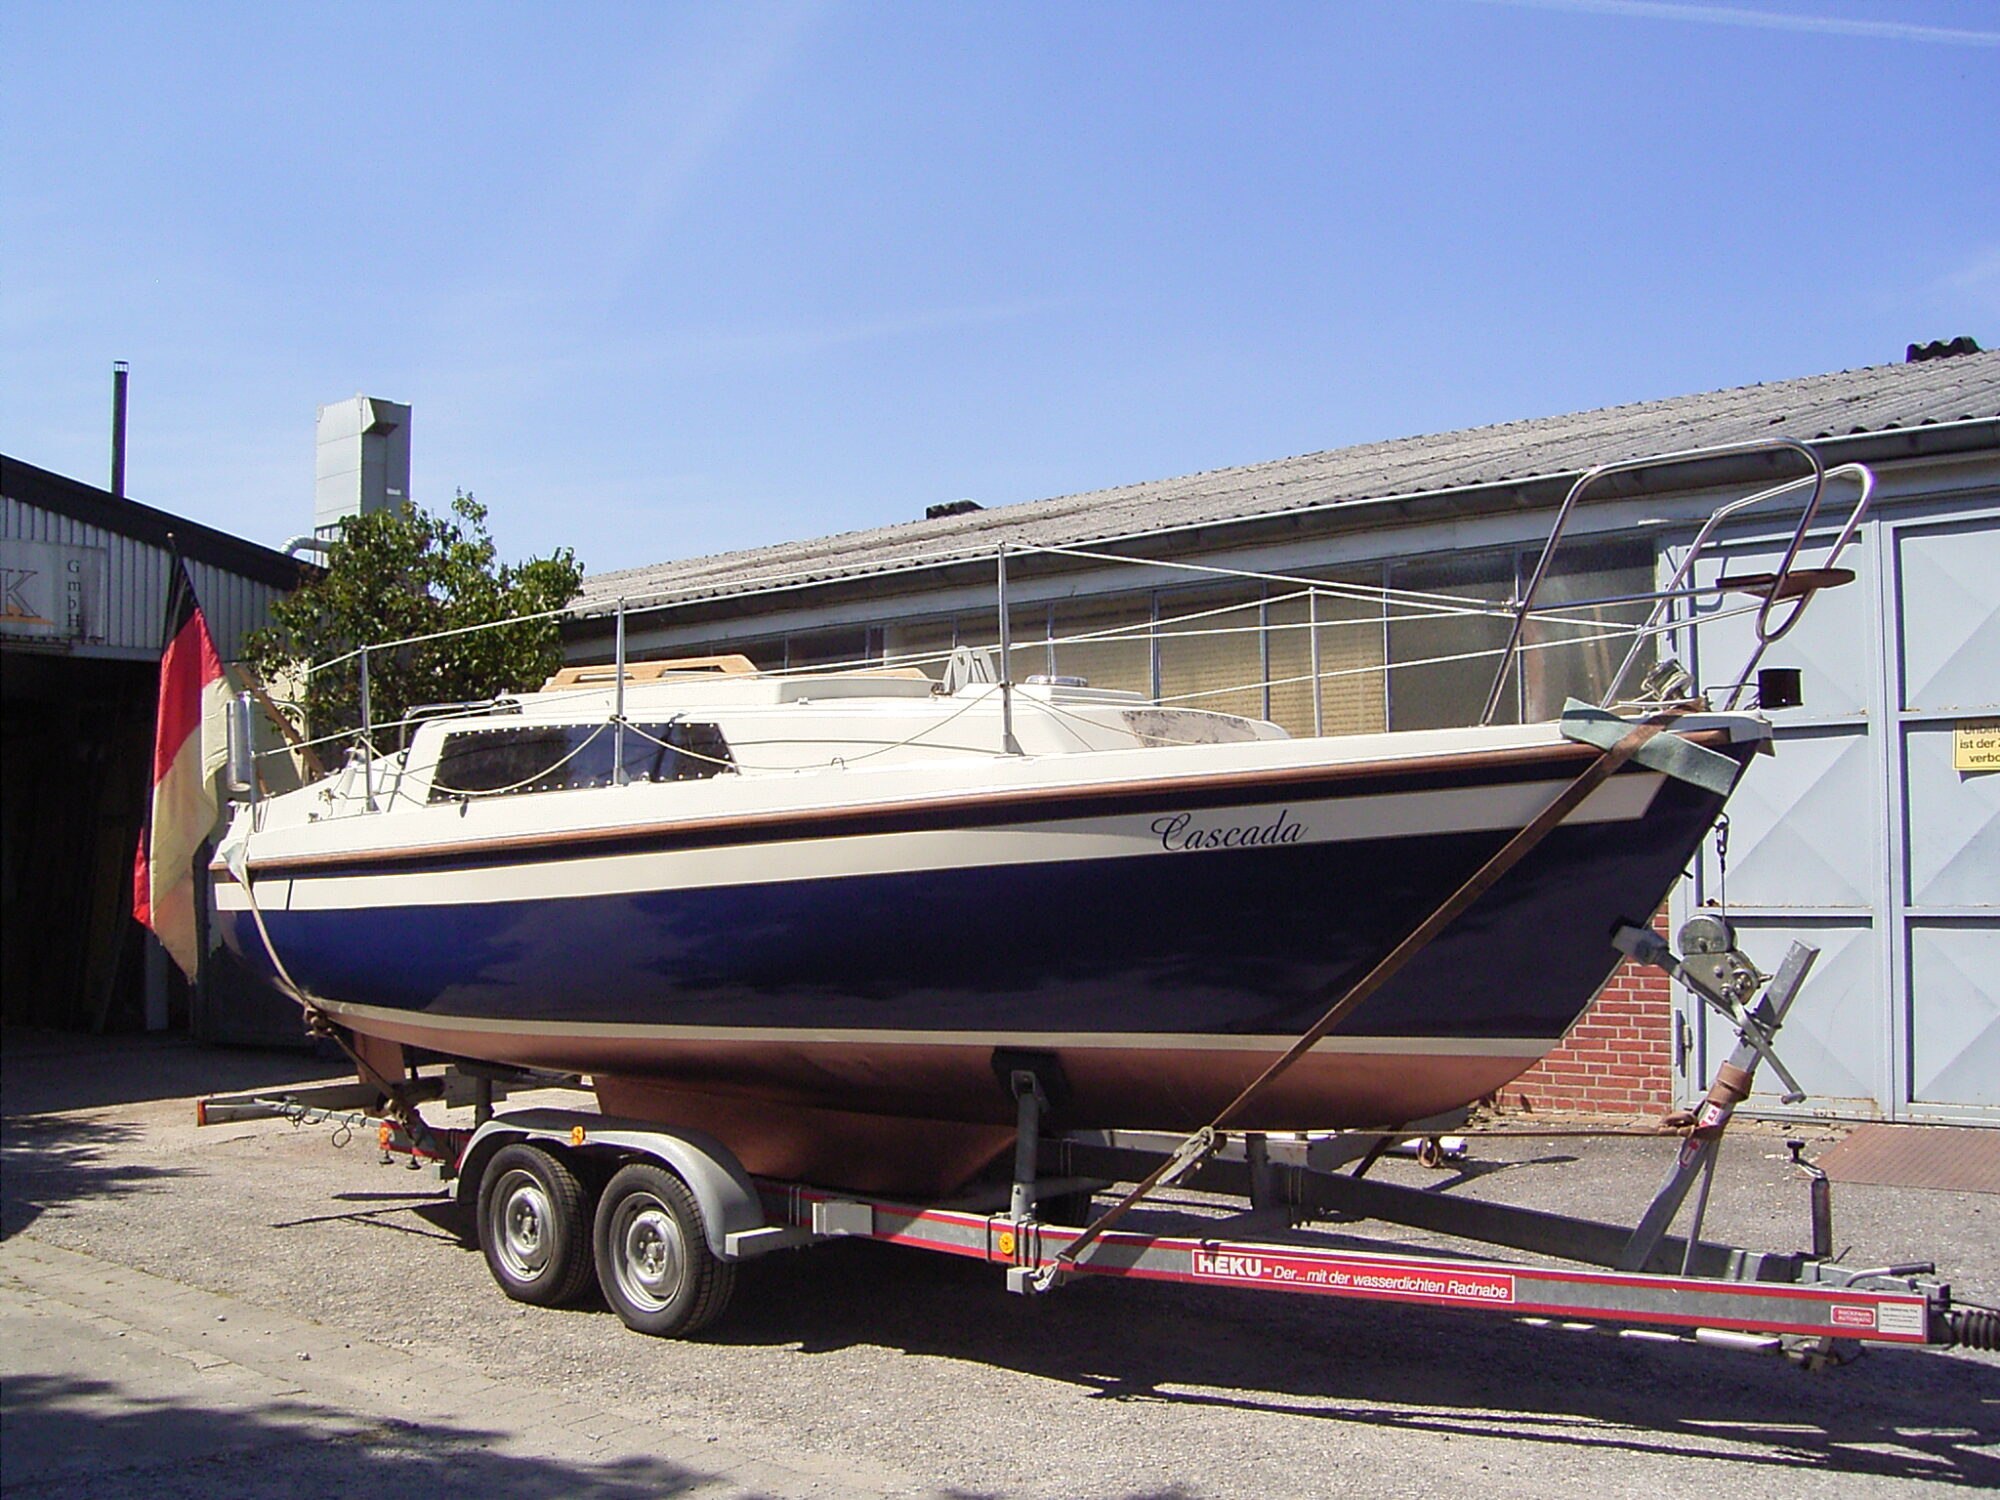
column 120, row 372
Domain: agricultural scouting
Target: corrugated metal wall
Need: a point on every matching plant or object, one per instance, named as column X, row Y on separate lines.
column 82, row 639
column 134, row 602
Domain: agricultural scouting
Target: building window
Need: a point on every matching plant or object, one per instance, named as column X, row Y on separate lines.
column 920, row 643
column 1212, row 649
column 827, row 648
column 1574, row 654
column 1107, row 642
column 1248, row 648
column 1351, row 649
column 1443, row 655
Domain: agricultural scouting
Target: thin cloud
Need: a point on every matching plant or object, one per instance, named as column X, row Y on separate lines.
column 1978, row 281
column 778, row 343
column 690, row 130
column 514, row 318
column 1764, row 20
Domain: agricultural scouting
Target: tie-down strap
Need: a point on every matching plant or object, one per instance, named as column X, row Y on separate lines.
column 1679, row 758
column 1631, row 739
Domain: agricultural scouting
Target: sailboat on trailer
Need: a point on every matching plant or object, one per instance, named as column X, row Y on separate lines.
column 821, row 915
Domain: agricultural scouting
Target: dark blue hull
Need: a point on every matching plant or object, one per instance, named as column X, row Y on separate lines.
column 1248, row 942
column 842, row 1029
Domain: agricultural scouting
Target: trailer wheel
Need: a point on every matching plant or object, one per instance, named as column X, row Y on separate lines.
column 532, row 1211
column 653, row 1260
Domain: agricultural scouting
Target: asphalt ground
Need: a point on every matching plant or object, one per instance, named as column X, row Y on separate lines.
column 251, row 1310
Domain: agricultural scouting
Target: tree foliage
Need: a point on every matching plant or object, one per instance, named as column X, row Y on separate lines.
column 409, row 572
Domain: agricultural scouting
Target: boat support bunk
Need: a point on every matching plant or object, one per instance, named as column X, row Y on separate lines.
column 659, row 1216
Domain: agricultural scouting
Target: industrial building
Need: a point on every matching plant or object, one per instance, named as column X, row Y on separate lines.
column 1864, row 838
column 86, row 578
column 86, row 574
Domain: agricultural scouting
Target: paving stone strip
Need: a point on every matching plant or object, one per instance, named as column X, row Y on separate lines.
column 330, row 1383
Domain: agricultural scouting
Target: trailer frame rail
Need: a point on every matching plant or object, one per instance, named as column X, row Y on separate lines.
column 1899, row 1312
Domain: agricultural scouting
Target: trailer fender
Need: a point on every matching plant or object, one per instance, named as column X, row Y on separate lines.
column 732, row 1214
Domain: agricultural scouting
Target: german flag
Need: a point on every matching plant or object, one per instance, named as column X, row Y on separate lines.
column 188, row 749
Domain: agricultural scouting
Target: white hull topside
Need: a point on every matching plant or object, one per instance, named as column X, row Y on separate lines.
column 826, row 944
column 328, row 822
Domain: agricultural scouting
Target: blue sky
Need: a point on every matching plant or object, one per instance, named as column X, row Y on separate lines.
column 670, row 279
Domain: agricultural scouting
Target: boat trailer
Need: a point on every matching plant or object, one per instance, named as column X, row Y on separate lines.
column 660, row 1216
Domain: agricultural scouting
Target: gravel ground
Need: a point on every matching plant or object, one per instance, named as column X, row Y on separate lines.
column 919, row 1373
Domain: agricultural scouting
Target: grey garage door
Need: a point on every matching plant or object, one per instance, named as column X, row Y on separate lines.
column 1862, row 838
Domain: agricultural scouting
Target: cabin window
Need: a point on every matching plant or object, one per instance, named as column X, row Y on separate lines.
column 557, row 757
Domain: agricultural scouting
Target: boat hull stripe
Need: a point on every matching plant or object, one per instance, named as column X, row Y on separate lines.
column 433, row 843
column 1150, row 833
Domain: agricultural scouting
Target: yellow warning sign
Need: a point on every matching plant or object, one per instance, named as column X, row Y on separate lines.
column 1975, row 745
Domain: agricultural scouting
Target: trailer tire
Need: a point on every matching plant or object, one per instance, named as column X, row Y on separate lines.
column 532, row 1212
column 653, row 1260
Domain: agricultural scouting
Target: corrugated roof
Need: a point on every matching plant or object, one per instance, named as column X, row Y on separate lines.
column 1873, row 400
column 198, row 543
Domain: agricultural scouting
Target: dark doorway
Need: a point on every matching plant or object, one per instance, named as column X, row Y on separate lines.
column 75, row 747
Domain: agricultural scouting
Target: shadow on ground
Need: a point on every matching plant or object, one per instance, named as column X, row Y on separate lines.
column 48, row 1079
column 49, row 1161
column 50, row 1072
column 89, row 1437
column 1893, row 1413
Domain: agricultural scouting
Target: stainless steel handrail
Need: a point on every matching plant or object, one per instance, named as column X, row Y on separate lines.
column 1590, row 477
column 1677, row 587
column 1766, row 633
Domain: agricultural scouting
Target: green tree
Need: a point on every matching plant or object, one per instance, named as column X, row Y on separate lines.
column 408, row 572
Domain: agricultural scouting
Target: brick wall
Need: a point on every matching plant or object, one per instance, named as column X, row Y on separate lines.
column 1618, row 1059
